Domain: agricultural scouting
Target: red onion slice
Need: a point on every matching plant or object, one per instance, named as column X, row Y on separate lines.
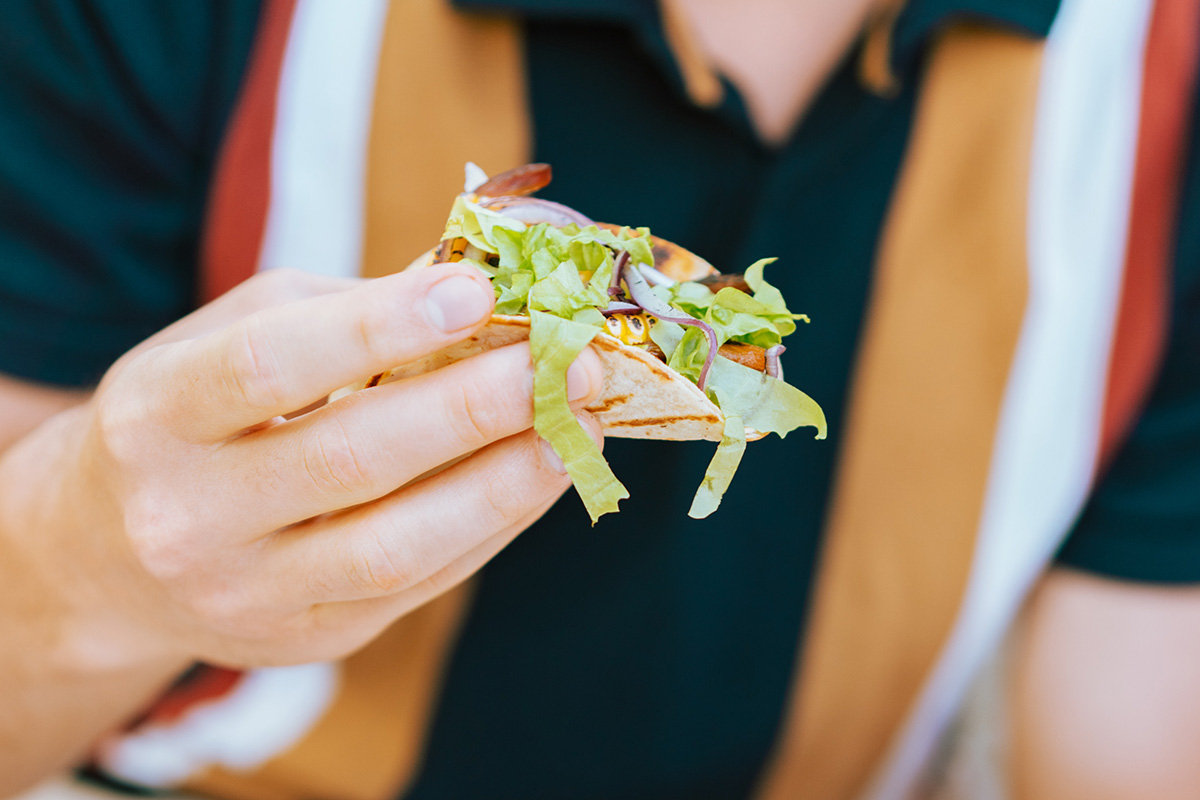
column 772, row 355
column 644, row 296
column 523, row 180
column 655, row 278
column 617, row 307
column 534, row 210
column 614, row 285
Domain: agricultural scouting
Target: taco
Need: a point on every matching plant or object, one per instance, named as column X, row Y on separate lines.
column 687, row 353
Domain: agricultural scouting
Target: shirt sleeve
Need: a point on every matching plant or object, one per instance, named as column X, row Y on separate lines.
column 1142, row 522
column 111, row 112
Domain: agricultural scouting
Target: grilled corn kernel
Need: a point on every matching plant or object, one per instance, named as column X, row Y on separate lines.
column 630, row 328
column 458, row 248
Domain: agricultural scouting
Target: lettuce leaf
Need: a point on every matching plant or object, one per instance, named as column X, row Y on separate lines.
column 563, row 293
column 764, row 292
column 554, row 343
column 756, row 401
column 760, row 319
column 765, row 404
column 560, row 278
column 476, row 224
column 721, row 469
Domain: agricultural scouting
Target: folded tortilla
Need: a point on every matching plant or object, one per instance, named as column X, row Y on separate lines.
column 642, row 397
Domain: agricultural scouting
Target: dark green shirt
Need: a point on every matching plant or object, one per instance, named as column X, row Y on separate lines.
column 649, row 656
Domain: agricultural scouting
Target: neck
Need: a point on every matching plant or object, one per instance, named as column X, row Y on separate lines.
column 778, row 53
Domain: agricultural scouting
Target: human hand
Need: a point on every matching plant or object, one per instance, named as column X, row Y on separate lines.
column 190, row 520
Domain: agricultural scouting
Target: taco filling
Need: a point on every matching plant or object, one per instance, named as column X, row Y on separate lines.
column 688, row 353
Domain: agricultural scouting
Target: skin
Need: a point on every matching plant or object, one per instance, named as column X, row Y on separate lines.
column 175, row 515
column 1104, row 699
column 777, row 53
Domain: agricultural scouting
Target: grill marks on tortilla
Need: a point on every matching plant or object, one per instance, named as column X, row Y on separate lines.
column 642, row 397
column 609, row 403
column 649, row 401
column 663, row 420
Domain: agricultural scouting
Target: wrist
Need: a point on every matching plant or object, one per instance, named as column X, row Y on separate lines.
column 67, row 596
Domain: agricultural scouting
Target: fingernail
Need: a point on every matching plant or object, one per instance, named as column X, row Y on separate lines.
column 456, row 303
column 579, row 379
column 551, row 458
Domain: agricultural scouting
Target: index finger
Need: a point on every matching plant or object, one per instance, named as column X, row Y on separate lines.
column 284, row 358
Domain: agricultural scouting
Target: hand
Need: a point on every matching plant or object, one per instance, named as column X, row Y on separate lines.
column 190, row 520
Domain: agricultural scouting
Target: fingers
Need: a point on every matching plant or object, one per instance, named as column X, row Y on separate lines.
column 265, row 290
column 284, row 358
column 368, row 444
column 399, row 542
column 364, row 619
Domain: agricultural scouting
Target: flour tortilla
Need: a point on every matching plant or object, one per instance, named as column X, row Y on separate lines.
column 642, row 398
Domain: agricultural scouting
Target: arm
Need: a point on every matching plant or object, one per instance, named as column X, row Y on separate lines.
column 39, row 694
column 1105, row 701
column 176, row 516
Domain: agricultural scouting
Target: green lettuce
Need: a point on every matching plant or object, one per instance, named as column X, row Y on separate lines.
column 554, row 343
column 721, row 469
column 476, row 224
column 758, row 401
column 761, row 318
column 560, row 278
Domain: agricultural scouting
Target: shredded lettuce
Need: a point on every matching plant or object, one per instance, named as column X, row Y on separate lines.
column 721, row 469
column 759, row 402
column 765, row 404
column 554, row 343
column 760, row 319
column 476, row 224
column 560, row 278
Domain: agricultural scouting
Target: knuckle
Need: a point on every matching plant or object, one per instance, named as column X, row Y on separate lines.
column 252, row 369
column 471, row 417
column 332, row 462
column 377, row 567
column 120, row 426
column 376, row 330
column 321, row 585
column 511, row 493
column 158, row 538
column 504, row 499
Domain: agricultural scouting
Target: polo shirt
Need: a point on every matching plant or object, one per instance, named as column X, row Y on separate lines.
column 649, row 656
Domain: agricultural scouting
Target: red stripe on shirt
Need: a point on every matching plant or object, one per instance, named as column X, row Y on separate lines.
column 1168, row 88
column 237, row 209
column 203, row 684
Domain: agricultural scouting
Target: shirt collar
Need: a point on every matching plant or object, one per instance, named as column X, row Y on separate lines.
column 921, row 20
column 908, row 30
column 645, row 18
column 636, row 11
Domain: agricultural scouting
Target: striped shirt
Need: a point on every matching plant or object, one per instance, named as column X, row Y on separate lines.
column 1005, row 329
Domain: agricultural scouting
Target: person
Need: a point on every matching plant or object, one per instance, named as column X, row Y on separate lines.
column 984, row 207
